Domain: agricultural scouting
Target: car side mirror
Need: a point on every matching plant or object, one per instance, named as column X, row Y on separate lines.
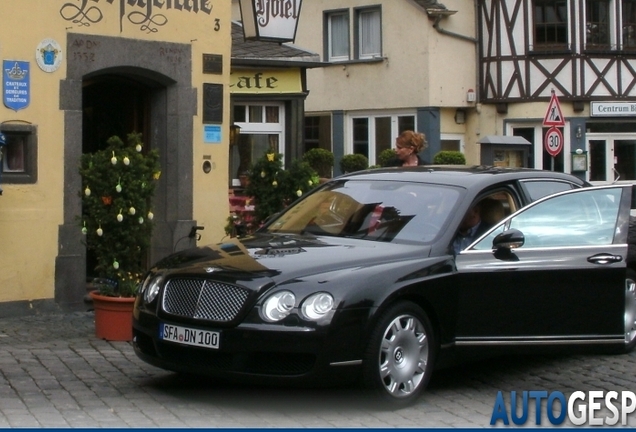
column 509, row 239
column 505, row 242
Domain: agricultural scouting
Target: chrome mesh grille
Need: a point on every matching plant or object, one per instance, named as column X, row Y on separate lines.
column 203, row 299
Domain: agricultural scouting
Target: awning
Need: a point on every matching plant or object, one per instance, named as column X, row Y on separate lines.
column 504, row 139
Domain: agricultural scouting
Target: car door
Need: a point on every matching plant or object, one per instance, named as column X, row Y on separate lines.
column 564, row 284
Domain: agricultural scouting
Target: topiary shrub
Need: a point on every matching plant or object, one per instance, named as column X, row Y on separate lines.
column 320, row 160
column 273, row 187
column 385, row 156
column 447, row 157
column 353, row 162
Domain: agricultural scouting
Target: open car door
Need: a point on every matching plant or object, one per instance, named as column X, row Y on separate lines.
column 552, row 273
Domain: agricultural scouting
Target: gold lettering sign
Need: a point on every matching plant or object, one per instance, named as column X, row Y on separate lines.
column 257, row 81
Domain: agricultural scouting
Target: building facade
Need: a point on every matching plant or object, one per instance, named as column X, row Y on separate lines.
column 545, row 84
column 78, row 72
column 392, row 65
column 583, row 51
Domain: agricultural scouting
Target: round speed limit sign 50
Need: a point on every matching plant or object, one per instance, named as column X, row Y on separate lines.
column 553, row 141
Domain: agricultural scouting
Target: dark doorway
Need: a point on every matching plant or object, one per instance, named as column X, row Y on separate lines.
column 113, row 105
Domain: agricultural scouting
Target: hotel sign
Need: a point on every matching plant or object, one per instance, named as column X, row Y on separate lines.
column 613, row 109
column 270, row 20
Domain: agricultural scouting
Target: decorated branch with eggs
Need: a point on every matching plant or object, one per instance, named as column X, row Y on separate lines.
column 118, row 184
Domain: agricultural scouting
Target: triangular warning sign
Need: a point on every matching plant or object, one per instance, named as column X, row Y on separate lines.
column 554, row 116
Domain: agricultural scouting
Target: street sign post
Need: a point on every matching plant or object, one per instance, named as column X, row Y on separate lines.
column 554, row 115
column 553, row 141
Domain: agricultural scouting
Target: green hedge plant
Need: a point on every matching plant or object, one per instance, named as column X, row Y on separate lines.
column 447, row 157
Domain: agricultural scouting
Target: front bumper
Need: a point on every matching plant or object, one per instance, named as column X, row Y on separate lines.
column 261, row 352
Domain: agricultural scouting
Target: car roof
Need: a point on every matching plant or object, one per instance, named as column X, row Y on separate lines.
column 459, row 175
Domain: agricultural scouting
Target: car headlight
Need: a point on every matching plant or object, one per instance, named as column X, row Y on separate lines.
column 317, row 305
column 151, row 286
column 278, row 306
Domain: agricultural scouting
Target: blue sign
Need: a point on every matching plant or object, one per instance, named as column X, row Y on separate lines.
column 211, row 134
column 16, row 88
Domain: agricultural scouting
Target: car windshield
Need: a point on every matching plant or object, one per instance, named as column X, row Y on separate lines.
column 372, row 210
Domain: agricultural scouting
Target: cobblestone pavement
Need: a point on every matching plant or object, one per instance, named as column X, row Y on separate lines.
column 55, row 373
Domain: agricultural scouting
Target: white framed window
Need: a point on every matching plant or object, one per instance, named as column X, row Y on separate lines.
column 366, row 35
column 338, row 35
column 369, row 32
column 262, row 126
column 372, row 133
column 452, row 142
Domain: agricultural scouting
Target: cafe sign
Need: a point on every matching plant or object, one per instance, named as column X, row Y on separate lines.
column 270, row 20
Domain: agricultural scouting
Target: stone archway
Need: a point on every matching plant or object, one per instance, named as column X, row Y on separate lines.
column 172, row 105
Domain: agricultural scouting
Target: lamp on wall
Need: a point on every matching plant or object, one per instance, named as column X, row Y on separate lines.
column 235, row 131
column 259, row 23
column 460, row 116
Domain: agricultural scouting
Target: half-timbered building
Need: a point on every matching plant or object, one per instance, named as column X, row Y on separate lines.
column 583, row 51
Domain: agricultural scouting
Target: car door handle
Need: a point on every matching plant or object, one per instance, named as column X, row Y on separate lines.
column 604, row 258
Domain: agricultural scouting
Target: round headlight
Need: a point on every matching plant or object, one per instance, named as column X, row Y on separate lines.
column 278, row 306
column 151, row 287
column 317, row 305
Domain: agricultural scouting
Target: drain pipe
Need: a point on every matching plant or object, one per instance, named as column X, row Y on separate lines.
column 438, row 18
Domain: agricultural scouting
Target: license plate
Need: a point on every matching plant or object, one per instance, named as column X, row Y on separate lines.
column 189, row 336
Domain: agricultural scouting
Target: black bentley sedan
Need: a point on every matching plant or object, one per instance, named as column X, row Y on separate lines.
column 362, row 279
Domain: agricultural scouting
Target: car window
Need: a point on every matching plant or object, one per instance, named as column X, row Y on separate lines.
column 537, row 189
column 371, row 210
column 577, row 219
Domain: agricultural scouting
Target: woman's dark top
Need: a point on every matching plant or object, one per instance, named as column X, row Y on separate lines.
column 397, row 162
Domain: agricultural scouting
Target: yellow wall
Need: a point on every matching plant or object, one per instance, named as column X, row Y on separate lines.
column 30, row 214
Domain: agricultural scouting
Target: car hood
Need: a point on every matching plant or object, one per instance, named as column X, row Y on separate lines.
column 283, row 257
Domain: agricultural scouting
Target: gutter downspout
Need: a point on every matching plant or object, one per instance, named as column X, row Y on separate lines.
column 438, row 18
column 440, row 30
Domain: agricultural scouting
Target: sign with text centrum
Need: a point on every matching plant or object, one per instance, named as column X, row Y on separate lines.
column 612, row 109
column 16, row 90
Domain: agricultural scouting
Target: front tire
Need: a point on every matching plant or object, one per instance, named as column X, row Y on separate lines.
column 630, row 310
column 399, row 358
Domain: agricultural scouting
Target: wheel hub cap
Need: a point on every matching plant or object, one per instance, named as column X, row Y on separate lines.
column 403, row 356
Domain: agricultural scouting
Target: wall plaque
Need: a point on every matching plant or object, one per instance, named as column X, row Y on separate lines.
column 212, row 103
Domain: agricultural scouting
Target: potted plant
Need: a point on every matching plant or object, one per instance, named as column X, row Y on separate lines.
column 118, row 185
column 353, row 162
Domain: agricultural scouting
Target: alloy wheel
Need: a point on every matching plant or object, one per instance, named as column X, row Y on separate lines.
column 403, row 356
column 630, row 310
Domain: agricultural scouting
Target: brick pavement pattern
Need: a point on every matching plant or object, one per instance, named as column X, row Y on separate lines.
column 55, row 373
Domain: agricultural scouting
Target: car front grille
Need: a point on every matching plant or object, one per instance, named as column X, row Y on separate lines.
column 203, row 299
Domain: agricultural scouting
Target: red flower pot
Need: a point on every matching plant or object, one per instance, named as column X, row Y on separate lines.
column 113, row 317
